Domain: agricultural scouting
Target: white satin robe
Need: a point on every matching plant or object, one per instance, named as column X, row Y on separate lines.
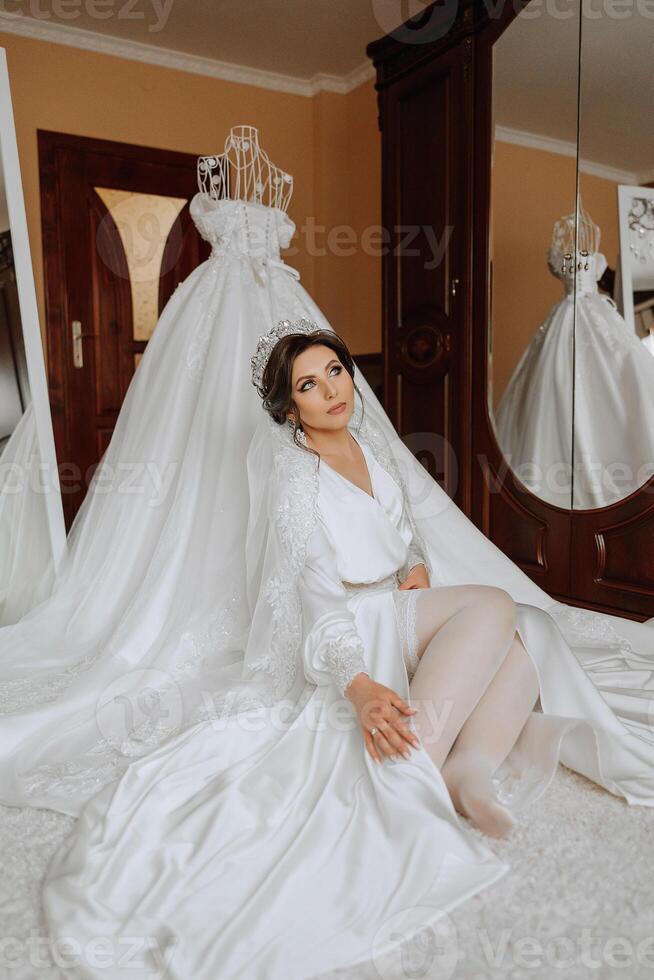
column 259, row 853
column 357, row 551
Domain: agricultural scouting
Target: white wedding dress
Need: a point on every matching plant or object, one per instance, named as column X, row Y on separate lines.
column 274, row 850
column 26, row 565
column 613, row 450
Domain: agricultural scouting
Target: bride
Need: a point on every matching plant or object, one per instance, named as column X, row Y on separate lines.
column 282, row 848
column 363, row 542
column 306, row 825
column 164, row 689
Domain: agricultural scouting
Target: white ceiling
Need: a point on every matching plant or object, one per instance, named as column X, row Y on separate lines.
column 536, row 78
column 296, row 38
column 303, row 46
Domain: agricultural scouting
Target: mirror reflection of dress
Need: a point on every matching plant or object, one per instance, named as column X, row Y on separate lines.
column 612, row 454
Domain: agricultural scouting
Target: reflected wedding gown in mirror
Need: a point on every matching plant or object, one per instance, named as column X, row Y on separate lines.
column 613, row 383
column 114, row 689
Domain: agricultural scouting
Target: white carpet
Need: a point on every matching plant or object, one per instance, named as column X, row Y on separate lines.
column 578, row 902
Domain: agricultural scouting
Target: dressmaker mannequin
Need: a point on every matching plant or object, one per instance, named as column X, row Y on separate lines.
column 244, row 172
column 587, row 232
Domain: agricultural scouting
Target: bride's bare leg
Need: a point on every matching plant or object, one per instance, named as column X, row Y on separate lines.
column 487, row 737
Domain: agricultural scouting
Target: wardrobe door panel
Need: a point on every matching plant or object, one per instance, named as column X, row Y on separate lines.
column 424, row 213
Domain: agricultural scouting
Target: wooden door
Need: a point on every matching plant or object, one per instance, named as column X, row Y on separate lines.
column 424, row 115
column 117, row 240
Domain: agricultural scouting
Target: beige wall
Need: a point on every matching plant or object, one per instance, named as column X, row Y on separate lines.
column 329, row 143
column 530, row 190
column 332, row 146
column 347, row 183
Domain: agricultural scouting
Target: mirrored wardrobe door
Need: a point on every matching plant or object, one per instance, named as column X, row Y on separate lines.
column 614, row 329
column 32, row 530
column 532, row 227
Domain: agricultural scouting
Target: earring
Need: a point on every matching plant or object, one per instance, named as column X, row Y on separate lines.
column 300, row 432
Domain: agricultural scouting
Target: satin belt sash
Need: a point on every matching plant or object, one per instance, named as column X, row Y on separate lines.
column 381, row 585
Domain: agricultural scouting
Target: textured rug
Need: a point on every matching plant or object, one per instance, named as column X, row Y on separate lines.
column 577, row 903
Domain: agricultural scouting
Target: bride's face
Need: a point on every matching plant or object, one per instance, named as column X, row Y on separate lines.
column 320, row 384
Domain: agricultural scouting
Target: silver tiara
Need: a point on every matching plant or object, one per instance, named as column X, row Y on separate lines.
column 266, row 343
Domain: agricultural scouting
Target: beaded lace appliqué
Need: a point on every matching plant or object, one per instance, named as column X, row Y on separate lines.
column 22, row 692
column 345, row 658
column 295, row 519
column 209, row 298
column 108, row 758
column 596, row 629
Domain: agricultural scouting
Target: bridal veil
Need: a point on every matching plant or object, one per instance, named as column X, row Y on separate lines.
column 154, row 620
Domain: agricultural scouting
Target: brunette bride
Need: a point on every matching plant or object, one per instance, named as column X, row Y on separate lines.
column 470, row 670
column 308, row 822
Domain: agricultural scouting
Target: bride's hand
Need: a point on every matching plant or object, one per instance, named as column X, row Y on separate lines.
column 416, row 579
column 378, row 706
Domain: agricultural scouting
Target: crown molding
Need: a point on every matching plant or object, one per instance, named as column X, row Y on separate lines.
column 536, row 142
column 347, row 83
column 77, row 37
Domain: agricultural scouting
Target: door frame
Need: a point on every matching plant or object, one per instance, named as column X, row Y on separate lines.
column 57, row 339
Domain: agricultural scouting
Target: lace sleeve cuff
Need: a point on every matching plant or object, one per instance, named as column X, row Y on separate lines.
column 415, row 556
column 344, row 658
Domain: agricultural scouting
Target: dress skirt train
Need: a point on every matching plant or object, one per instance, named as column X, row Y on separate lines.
column 268, row 849
column 276, row 847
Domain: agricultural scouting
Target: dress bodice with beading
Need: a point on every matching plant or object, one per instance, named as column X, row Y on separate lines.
column 236, row 228
column 579, row 276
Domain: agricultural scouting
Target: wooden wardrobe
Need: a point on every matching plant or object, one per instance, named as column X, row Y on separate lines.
column 434, row 83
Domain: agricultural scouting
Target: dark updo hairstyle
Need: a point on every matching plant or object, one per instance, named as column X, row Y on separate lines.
column 277, row 381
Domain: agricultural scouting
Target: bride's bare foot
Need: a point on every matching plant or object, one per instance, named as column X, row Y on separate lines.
column 468, row 777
